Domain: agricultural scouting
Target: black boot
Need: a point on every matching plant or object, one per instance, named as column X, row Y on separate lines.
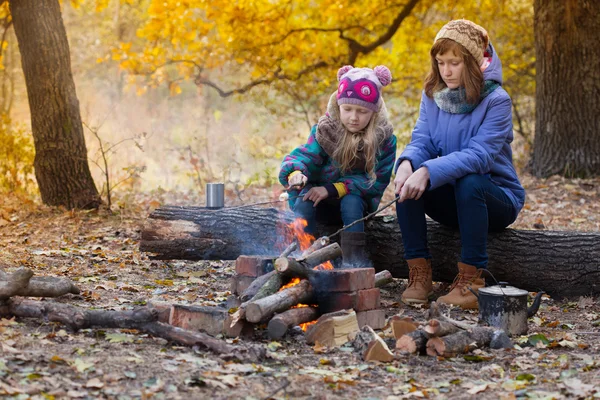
column 353, row 250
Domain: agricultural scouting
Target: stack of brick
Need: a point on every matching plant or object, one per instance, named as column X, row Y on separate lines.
column 352, row 288
column 247, row 269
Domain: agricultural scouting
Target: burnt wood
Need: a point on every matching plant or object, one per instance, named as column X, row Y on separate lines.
column 562, row 263
column 144, row 319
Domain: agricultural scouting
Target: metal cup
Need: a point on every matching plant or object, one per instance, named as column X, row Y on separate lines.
column 215, row 195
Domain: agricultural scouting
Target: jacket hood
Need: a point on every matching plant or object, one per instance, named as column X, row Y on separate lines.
column 494, row 70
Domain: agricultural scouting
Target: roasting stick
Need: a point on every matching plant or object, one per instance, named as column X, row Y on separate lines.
column 343, row 228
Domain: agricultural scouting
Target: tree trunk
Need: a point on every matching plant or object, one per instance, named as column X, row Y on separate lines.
column 61, row 166
column 560, row 263
column 567, row 132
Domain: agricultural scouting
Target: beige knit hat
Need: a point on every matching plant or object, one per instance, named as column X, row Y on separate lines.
column 472, row 36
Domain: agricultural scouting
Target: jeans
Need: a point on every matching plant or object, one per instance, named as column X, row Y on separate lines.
column 474, row 205
column 350, row 208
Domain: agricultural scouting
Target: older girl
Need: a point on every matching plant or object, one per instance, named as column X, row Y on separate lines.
column 458, row 166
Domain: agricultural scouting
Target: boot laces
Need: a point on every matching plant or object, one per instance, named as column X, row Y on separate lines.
column 417, row 274
column 462, row 280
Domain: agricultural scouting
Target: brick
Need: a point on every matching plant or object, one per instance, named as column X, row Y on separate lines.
column 212, row 320
column 239, row 283
column 346, row 280
column 253, row 265
column 374, row 318
column 366, row 299
column 164, row 310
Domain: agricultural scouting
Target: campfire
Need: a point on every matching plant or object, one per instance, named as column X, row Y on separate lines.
column 303, row 285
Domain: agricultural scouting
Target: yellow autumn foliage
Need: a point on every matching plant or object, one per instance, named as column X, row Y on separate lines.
column 301, row 44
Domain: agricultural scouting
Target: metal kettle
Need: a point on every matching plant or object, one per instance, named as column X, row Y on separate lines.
column 505, row 307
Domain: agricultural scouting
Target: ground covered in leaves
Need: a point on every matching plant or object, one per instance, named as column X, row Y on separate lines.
column 99, row 250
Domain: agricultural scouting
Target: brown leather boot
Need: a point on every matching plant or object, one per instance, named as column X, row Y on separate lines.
column 420, row 286
column 468, row 276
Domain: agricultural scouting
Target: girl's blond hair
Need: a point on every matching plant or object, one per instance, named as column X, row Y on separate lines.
column 368, row 141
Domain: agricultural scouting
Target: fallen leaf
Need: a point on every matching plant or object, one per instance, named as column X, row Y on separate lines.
column 94, row 383
column 478, row 389
column 81, row 365
column 119, row 338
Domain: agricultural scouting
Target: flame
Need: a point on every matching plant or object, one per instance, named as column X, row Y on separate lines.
column 291, row 283
column 305, row 325
column 295, row 231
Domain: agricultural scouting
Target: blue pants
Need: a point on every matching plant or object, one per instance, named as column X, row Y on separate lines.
column 350, row 208
column 474, row 205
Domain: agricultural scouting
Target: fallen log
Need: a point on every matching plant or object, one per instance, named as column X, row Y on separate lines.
column 560, row 263
column 280, row 323
column 143, row 319
column 263, row 309
column 464, row 341
column 21, row 282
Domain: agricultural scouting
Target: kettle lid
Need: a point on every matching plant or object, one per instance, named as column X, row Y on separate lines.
column 503, row 290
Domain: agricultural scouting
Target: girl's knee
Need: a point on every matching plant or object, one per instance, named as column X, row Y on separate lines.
column 469, row 186
column 352, row 201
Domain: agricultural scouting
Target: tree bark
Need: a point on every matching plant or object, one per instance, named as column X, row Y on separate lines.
column 143, row 319
column 263, row 309
column 560, row 263
column 280, row 323
column 567, row 131
column 61, row 166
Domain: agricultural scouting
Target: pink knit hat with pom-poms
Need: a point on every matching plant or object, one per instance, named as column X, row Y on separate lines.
column 362, row 86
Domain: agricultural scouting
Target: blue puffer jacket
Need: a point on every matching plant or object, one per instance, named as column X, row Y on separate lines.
column 454, row 145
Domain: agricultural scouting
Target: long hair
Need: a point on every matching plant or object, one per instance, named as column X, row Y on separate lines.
column 471, row 79
column 368, row 141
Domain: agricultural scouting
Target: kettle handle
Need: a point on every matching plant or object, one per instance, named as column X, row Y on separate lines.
column 474, row 292
column 536, row 304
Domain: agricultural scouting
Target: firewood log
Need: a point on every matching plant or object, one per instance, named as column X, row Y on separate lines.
column 413, row 342
column 263, row 309
column 304, row 268
column 333, row 329
column 371, row 346
column 383, row 278
column 316, row 245
column 402, row 325
column 440, row 327
column 255, row 286
column 462, row 342
column 280, row 323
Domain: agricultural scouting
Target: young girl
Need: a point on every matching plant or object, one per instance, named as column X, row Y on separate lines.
column 347, row 161
column 458, row 166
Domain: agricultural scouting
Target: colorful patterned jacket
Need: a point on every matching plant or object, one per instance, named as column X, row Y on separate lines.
column 318, row 166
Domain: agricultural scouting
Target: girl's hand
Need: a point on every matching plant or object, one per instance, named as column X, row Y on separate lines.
column 415, row 185
column 298, row 180
column 402, row 174
column 316, row 194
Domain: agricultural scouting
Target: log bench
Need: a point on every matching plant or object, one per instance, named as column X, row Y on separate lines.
column 562, row 263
